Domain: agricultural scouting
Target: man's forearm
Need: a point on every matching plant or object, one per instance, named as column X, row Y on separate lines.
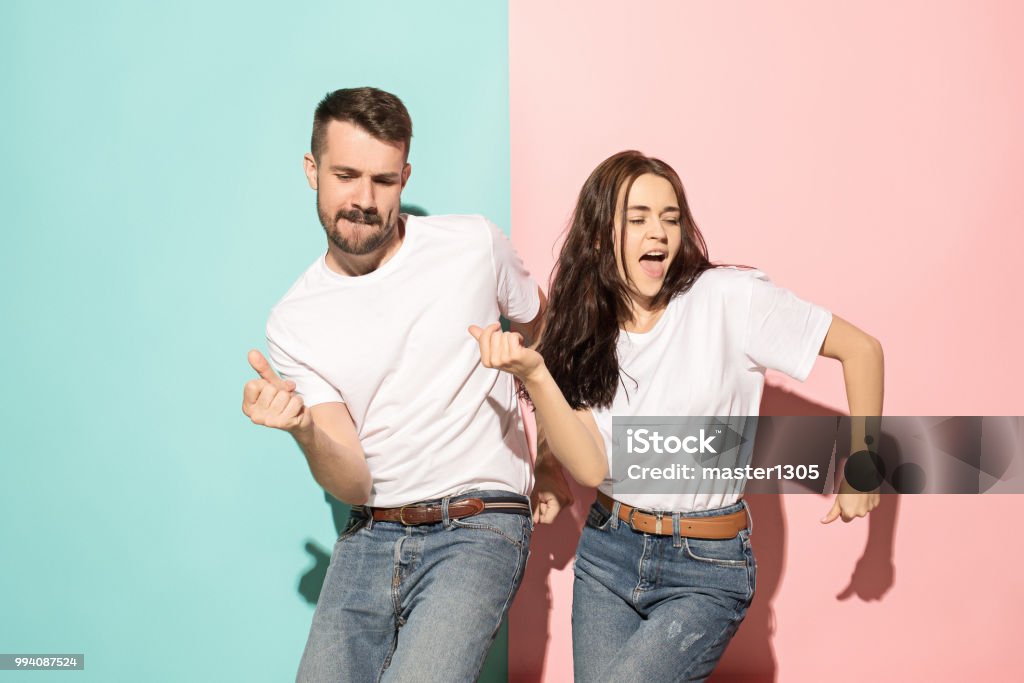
column 341, row 471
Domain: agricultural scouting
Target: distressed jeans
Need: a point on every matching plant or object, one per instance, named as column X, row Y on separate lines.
column 416, row 603
column 656, row 608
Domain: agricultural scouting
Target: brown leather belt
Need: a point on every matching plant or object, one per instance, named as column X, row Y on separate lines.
column 660, row 523
column 431, row 513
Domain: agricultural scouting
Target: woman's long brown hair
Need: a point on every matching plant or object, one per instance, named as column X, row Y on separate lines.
column 588, row 300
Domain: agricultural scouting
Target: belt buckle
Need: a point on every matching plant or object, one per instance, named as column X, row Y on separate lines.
column 401, row 515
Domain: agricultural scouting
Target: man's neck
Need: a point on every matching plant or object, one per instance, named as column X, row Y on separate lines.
column 354, row 266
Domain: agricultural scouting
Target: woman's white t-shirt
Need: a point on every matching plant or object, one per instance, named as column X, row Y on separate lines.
column 706, row 356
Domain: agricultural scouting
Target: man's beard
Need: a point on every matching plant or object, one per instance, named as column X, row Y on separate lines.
column 368, row 241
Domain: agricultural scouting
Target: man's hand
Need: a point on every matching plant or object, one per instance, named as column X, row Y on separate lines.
column 272, row 401
column 550, row 491
column 851, row 503
column 505, row 351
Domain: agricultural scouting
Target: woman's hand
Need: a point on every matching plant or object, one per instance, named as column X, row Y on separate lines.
column 851, row 503
column 505, row 351
column 572, row 435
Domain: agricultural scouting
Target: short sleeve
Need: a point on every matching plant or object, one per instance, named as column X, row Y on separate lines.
column 783, row 332
column 313, row 388
column 517, row 291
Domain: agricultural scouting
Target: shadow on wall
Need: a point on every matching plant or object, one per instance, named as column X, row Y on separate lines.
column 552, row 547
column 750, row 657
column 414, row 210
column 313, row 580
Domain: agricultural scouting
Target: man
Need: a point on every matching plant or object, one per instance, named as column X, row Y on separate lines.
column 384, row 392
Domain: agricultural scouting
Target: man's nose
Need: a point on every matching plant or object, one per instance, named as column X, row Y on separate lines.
column 363, row 197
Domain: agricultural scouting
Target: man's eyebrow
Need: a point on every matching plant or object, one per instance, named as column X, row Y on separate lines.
column 388, row 176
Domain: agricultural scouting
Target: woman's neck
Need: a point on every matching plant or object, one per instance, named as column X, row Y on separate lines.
column 643, row 317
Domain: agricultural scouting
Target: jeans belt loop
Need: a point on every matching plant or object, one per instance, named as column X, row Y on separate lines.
column 677, row 539
column 445, row 520
column 657, row 522
column 750, row 517
column 615, row 514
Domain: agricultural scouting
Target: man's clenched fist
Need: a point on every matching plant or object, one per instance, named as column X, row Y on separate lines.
column 272, row 401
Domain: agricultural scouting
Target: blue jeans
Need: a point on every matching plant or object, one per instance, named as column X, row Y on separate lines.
column 416, row 603
column 656, row 608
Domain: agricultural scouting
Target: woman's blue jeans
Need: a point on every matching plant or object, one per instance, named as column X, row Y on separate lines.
column 656, row 608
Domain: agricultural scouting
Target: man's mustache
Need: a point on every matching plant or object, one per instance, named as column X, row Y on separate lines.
column 357, row 216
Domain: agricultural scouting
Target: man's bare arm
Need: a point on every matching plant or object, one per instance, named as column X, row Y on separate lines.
column 325, row 433
column 531, row 331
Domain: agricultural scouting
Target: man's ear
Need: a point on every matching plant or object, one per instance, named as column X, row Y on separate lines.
column 309, row 165
column 406, row 172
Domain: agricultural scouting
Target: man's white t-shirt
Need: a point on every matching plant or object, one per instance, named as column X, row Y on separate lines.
column 706, row 357
column 393, row 346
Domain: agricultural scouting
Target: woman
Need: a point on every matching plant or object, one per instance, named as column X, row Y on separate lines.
column 640, row 323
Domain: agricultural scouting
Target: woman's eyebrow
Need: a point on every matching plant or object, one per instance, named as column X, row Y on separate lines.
column 641, row 207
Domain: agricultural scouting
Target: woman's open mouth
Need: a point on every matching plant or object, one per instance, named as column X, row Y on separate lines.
column 653, row 263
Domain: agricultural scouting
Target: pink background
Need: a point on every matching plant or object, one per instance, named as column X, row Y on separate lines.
column 870, row 157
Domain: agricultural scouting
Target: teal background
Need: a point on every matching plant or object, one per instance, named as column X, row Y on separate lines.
column 154, row 209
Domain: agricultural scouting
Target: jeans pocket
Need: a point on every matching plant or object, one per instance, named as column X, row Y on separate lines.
column 598, row 518
column 728, row 552
column 352, row 527
column 514, row 528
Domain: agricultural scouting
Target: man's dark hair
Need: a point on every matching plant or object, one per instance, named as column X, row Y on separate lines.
column 379, row 113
